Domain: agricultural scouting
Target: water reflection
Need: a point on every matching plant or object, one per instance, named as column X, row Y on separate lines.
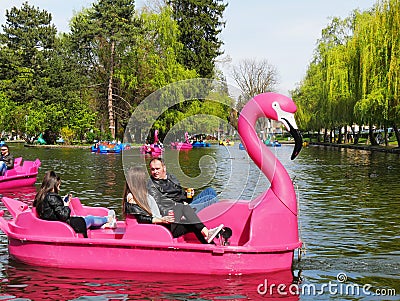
column 35, row 283
column 24, row 194
column 348, row 201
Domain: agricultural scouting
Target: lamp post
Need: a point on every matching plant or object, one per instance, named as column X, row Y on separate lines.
column 26, row 125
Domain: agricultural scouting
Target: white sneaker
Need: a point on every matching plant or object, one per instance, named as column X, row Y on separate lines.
column 212, row 233
column 111, row 220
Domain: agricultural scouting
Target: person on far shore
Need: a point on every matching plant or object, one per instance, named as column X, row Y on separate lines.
column 6, row 160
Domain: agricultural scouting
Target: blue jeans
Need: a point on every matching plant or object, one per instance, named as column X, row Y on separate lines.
column 205, row 198
column 95, row 221
column 3, row 168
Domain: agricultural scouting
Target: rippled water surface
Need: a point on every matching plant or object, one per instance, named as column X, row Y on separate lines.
column 349, row 212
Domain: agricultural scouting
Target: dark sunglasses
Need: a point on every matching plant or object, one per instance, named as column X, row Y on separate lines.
column 3, row 149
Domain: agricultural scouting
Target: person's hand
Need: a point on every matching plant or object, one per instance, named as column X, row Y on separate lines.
column 131, row 200
column 67, row 199
column 168, row 219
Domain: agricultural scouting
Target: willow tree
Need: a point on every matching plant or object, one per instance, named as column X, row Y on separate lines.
column 391, row 22
column 377, row 35
column 354, row 78
column 308, row 97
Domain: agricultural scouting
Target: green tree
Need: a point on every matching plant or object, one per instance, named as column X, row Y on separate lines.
column 151, row 64
column 377, row 34
column 28, row 42
column 200, row 23
column 40, row 80
column 101, row 35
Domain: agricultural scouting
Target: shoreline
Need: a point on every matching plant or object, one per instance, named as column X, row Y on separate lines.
column 393, row 150
column 56, row 146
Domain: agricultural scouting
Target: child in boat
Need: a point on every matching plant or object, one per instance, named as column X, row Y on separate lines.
column 6, row 160
column 50, row 206
column 138, row 202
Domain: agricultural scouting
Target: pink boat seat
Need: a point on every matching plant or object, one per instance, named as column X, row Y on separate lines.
column 15, row 207
column 78, row 209
column 17, row 161
column 32, row 166
column 27, row 223
column 10, row 173
column 145, row 232
column 233, row 214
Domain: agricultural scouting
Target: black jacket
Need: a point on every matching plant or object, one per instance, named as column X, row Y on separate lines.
column 141, row 215
column 9, row 160
column 52, row 208
column 166, row 192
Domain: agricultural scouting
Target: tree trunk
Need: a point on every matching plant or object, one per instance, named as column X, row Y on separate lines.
column 110, row 94
column 397, row 133
column 355, row 135
column 372, row 136
column 340, row 135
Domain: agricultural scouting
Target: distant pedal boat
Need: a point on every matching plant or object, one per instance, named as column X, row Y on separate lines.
column 23, row 174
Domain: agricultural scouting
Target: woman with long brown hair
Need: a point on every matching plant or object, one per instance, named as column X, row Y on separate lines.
column 138, row 202
column 50, row 206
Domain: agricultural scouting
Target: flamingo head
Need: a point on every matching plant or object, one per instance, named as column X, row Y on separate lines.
column 280, row 108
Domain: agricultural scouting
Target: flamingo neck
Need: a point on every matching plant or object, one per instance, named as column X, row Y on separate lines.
column 272, row 168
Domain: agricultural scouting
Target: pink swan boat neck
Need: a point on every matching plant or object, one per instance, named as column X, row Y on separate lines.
column 23, row 174
column 264, row 230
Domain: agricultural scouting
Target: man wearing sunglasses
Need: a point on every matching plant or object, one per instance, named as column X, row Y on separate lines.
column 6, row 160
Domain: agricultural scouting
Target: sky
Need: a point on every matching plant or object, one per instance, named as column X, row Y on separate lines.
column 283, row 32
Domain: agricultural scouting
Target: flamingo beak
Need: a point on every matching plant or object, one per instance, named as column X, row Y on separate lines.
column 298, row 141
column 290, row 124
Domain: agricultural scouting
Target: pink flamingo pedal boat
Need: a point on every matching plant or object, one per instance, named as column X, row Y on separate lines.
column 23, row 174
column 182, row 145
column 155, row 149
column 264, row 230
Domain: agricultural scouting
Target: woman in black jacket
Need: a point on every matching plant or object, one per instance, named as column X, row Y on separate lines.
column 138, row 202
column 50, row 206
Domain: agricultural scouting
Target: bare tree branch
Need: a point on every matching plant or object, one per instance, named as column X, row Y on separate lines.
column 254, row 77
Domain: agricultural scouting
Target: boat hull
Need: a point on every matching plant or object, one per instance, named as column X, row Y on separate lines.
column 153, row 150
column 109, row 148
column 18, row 182
column 21, row 175
column 103, row 254
column 181, row 146
column 133, row 246
column 226, row 143
column 200, row 144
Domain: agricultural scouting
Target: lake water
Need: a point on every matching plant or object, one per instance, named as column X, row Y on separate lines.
column 349, row 211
